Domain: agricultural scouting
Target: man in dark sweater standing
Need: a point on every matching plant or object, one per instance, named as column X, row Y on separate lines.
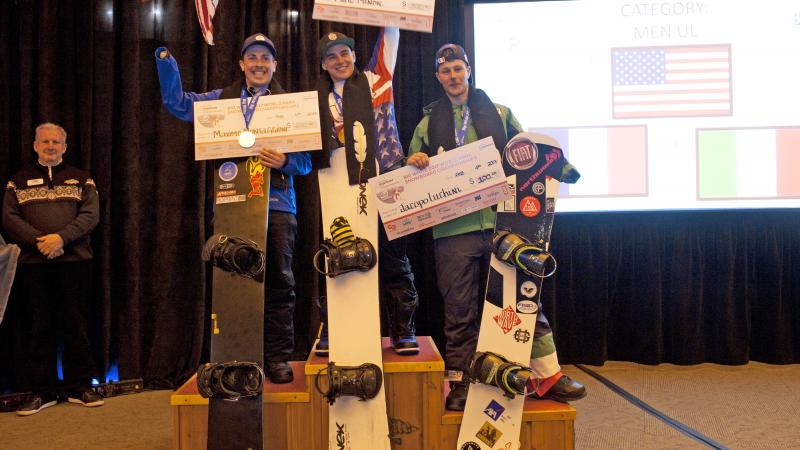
column 49, row 209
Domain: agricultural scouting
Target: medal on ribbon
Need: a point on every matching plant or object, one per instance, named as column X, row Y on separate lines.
column 247, row 138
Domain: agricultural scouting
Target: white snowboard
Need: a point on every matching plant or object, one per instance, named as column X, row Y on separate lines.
column 353, row 313
column 491, row 420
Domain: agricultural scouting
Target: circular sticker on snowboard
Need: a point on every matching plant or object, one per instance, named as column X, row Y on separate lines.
column 522, row 154
column 538, row 188
column 529, row 206
column 228, row 171
column 528, row 289
column 470, row 446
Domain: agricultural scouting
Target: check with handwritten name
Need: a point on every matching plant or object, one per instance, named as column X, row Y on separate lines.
column 414, row 15
column 454, row 184
column 284, row 122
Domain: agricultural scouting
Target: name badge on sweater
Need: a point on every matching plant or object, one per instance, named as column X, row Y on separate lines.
column 36, row 182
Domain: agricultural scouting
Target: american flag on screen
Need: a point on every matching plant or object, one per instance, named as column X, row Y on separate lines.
column 205, row 14
column 681, row 81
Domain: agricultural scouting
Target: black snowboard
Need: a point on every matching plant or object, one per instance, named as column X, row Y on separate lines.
column 241, row 197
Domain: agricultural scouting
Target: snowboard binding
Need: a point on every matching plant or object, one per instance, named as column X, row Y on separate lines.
column 362, row 381
column 495, row 370
column 518, row 251
column 231, row 380
column 344, row 252
column 236, row 255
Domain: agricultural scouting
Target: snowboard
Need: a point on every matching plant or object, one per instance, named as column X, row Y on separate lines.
column 353, row 312
column 241, row 204
column 533, row 165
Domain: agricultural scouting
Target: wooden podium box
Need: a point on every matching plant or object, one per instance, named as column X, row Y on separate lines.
column 546, row 425
column 413, row 396
column 296, row 414
column 286, row 412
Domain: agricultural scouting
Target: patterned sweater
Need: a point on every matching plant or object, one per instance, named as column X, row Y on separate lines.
column 42, row 200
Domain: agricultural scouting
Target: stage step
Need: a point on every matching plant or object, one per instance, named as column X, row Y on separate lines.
column 296, row 415
column 546, row 424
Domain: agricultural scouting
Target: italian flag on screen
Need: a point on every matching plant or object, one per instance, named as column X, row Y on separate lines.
column 612, row 160
column 748, row 163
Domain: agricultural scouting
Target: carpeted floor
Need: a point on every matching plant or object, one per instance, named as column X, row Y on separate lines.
column 740, row 407
column 136, row 422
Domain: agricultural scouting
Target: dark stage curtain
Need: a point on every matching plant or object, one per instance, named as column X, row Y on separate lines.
column 88, row 66
column 678, row 288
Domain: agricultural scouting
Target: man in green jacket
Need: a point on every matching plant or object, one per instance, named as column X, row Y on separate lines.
column 462, row 246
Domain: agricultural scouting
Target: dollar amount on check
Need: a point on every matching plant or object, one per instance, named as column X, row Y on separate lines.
column 454, row 184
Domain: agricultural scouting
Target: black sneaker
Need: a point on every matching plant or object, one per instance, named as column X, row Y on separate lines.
column 565, row 390
column 86, row 397
column 36, row 404
column 279, row 372
column 457, row 397
column 405, row 345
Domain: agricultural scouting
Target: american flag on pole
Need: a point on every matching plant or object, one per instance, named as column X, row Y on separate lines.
column 205, row 14
column 680, row 81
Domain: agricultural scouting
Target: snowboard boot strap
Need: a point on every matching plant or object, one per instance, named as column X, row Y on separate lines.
column 362, row 381
column 236, row 255
column 231, row 380
column 495, row 370
column 358, row 255
column 516, row 250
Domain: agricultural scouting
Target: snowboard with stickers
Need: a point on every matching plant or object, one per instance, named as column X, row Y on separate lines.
column 533, row 164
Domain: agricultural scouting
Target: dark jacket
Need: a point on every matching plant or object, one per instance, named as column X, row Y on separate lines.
column 42, row 200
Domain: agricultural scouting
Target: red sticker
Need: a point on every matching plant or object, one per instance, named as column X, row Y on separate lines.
column 529, row 206
column 507, row 319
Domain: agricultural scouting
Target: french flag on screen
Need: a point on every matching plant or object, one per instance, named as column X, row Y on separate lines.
column 677, row 81
column 612, row 160
column 739, row 163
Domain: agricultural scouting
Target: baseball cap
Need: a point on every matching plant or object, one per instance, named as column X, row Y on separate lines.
column 331, row 39
column 450, row 52
column 259, row 39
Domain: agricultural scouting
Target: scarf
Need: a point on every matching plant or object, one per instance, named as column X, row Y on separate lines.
column 485, row 119
column 359, row 127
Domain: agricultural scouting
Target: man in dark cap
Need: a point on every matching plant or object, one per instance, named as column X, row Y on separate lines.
column 258, row 63
column 462, row 246
column 348, row 95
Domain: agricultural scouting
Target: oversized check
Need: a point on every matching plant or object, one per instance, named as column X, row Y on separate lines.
column 414, row 15
column 284, row 122
column 455, row 183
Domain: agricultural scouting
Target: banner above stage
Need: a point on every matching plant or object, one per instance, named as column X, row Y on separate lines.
column 413, row 15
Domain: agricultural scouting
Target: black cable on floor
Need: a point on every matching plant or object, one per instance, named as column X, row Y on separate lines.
column 683, row 428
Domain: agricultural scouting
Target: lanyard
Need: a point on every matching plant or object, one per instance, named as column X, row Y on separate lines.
column 249, row 107
column 461, row 134
column 338, row 99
